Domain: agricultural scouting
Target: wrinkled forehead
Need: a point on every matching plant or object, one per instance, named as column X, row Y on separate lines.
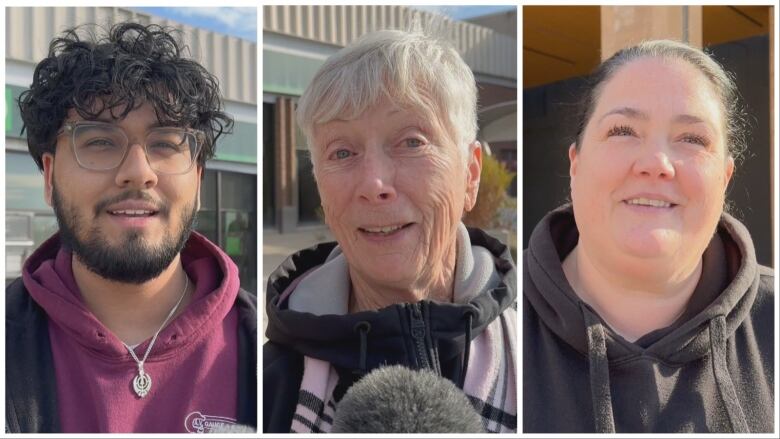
column 418, row 106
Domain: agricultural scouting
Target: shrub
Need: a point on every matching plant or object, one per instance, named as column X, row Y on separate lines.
column 494, row 180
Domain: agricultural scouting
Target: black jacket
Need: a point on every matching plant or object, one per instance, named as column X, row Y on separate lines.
column 710, row 371
column 334, row 338
column 30, row 386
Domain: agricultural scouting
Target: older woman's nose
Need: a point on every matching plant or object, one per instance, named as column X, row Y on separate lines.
column 376, row 183
column 654, row 161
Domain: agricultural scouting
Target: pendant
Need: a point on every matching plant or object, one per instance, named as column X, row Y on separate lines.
column 142, row 383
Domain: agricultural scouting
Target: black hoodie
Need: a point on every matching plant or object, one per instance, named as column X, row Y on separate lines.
column 334, row 338
column 710, row 371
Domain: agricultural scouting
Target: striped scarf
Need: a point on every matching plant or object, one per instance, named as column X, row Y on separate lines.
column 490, row 383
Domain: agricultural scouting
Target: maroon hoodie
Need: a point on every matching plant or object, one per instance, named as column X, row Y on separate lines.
column 193, row 364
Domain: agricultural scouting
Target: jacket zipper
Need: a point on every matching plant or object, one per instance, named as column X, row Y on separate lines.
column 419, row 331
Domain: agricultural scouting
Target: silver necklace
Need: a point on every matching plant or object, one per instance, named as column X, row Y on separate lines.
column 142, row 383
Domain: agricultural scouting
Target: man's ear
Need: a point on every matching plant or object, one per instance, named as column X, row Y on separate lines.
column 473, row 173
column 48, row 177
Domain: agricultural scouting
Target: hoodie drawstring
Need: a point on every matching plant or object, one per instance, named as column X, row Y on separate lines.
column 469, row 315
column 362, row 328
column 723, row 381
column 601, row 394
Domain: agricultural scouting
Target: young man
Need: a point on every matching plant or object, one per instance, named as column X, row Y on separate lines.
column 126, row 320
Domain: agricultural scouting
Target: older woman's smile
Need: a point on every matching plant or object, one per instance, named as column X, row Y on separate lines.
column 385, row 231
column 387, row 235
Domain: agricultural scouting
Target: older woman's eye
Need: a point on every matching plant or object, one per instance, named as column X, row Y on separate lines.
column 342, row 154
column 413, row 142
column 621, row 130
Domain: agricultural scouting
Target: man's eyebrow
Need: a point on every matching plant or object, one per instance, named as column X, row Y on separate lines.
column 631, row 113
column 97, row 119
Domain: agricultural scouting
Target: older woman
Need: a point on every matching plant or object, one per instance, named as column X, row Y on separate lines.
column 391, row 123
column 644, row 307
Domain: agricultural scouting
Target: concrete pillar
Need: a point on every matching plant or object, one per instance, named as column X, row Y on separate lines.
column 623, row 26
column 286, row 166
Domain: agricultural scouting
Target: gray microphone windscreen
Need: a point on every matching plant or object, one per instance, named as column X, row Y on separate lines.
column 231, row 429
column 395, row 399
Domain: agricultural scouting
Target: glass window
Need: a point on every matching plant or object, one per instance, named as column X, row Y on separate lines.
column 207, row 216
column 240, row 145
column 269, row 168
column 309, row 210
column 44, row 226
column 287, row 74
column 238, row 191
column 228, row 218
column 23, row 184
column 240, row 243
column 18, row 227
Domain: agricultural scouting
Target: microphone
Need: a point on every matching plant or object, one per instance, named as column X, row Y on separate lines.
column 395, row 399
column 232, row 429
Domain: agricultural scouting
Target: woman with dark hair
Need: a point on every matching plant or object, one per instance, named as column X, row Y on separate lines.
column 644, row 307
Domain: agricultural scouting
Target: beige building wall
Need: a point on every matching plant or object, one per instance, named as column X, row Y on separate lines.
column 484, row 50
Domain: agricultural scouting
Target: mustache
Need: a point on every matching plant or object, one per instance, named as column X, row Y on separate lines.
column 132, row 194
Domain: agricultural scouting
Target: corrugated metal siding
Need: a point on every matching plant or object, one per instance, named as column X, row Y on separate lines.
column 483, row 49
column 28, row 32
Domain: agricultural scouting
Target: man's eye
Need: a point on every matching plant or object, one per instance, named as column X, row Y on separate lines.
column 166, row 146
column 621, row 130
column 99, row 143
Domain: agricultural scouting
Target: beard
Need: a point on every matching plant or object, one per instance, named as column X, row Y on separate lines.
column 133, row 260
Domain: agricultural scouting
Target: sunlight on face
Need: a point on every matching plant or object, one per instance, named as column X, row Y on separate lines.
column 393, row 190
column 649, row 180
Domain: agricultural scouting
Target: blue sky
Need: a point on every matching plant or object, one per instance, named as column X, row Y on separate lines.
column 242, row 22
column 464, row 12
column 238, row 22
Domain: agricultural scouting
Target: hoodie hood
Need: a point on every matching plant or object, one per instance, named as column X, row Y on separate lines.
column 568, row 317
column 319, row 326
column 698, row 334
column 48, row 276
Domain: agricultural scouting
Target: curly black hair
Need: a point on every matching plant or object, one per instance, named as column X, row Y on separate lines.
column 132, row 64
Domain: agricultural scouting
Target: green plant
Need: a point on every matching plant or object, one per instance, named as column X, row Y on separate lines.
column 494, row 180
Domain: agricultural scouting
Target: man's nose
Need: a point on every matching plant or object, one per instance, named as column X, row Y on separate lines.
column 135, row 170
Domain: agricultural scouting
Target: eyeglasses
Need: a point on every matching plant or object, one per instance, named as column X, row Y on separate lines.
column 101, row 146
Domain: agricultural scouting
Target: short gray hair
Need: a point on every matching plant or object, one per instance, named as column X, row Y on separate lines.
column 413, row 69
column 722, row 82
